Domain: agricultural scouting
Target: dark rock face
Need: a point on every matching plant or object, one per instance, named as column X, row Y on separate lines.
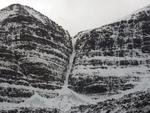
column 34, row 53
column 97, row 84
column 117, row 50
column 133, row 103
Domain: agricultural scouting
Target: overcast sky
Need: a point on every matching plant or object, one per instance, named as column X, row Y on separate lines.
column 78, row 15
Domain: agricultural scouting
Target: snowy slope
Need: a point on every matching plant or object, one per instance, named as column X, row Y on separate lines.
column 68, row 98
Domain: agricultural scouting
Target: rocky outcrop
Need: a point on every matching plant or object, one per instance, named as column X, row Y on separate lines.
column 34, row 54
column 138, row 102
column 112, row 56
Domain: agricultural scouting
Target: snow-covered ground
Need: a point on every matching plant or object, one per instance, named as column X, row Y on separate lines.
column 68, row 98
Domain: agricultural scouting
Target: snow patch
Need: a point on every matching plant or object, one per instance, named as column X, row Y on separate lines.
column 68, row 99
column 35, row 101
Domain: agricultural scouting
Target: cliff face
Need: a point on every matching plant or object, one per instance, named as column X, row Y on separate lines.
column 113, row 56
column 37, row 59
column 34, row 53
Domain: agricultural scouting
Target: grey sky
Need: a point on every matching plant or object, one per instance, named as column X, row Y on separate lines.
column 78, row 15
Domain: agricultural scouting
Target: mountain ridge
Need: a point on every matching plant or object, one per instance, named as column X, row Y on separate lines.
column 34, row 53
column 40, row 62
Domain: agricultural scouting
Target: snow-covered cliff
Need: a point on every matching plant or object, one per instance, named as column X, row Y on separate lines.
column 34, row 54
column 112, row 57
column 107, row 70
